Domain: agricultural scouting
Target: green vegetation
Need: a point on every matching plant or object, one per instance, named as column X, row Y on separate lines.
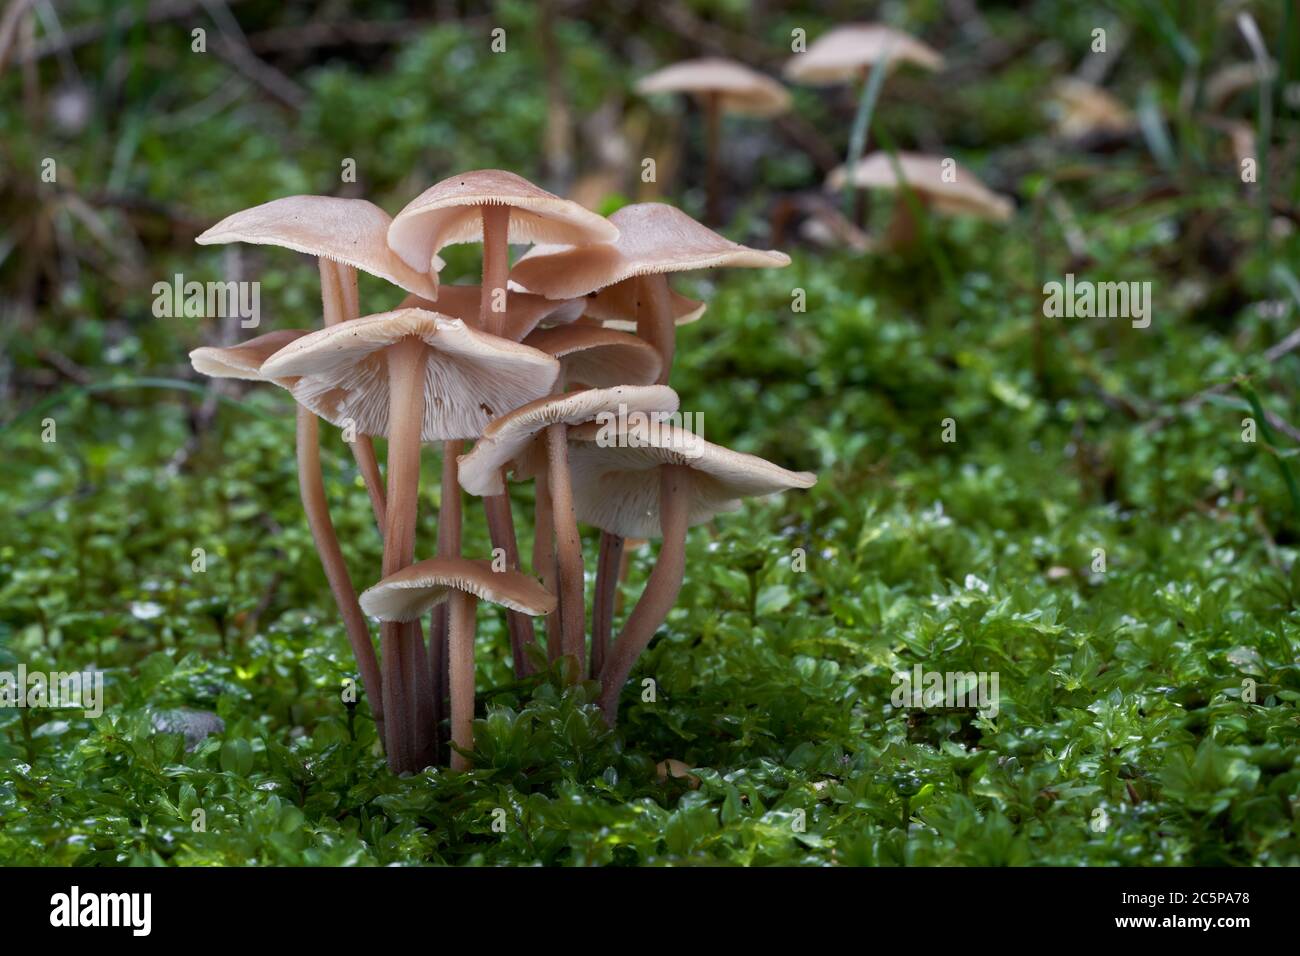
column 1126, row 679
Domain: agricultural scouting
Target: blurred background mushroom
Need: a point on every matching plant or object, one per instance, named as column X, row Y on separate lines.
column 923, row 183
column 721, row 87
column 847, row 55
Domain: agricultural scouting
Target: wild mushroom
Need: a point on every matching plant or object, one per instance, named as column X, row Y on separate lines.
column 654, row 240
column 414, row 376
column 1083, row 109
column 722, row 86
column 495, row 207
column 631, row 276
column 411, row 592
column 847, row 54
column 524, row 311
column 344, row 235
column 936, row 183
column 656, row 483
column 245, row 361
column 615, row 306
column 515, row 440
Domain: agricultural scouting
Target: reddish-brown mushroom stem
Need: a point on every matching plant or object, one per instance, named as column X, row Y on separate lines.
column 903, row 228
column 496, row 266
column 492, row 311
column 449, row 544
column 568, row 547
column 420, row 691
column 501, row 529
column 654, row 320
column 312, row 489
column 338, row 288
column 460, row 644
column 406, row 364
column 713, row 111
column 544, row 559
column 660, row 590
column 608, row 565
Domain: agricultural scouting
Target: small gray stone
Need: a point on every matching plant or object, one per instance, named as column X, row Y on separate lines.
column 194, row 725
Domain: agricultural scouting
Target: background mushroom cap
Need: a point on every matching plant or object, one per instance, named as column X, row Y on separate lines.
column 653, row 238
column 1082, row 108
column 414, row 590
column 244, row 361
column 451, row 212
column 740, row 89
column 925, row 174
column 616, row 488
column 508, row 438
column 469, row 378
column 597, row 357
column 351, row 231
column 524, row 310
column 615, row 307
column 843, row 53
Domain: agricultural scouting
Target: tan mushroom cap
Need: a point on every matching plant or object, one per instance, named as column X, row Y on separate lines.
column 653, row 238
column 1227, row 81
column 351, row 231
column 524, row 310
column 597, row 357
column 616, row 307
column 507, row 440
column 451, row 212
column 616, row 485
column 739, row 89
column 243, row 361
column 1082, row 108
column 966, row 195
column 470, row 376
column 417, row 588
column 845, row 52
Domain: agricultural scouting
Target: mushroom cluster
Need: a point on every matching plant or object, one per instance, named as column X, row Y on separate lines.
column 548, row 369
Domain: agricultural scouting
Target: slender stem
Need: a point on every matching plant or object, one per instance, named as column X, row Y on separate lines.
column 496, row 266
column 501, row 529
column 312, row 489
column 608, row 565
column 903, row 228
column 568, row 547
column 871, row 84
column 624, row 569
column 420, row 690
column 460, row 643
column 654, row 320
column 544, row 559
column 449, row 545
column 406, row 362
column 363, row 452
column 660, row 590
column 339, row 303
column 713, row 116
